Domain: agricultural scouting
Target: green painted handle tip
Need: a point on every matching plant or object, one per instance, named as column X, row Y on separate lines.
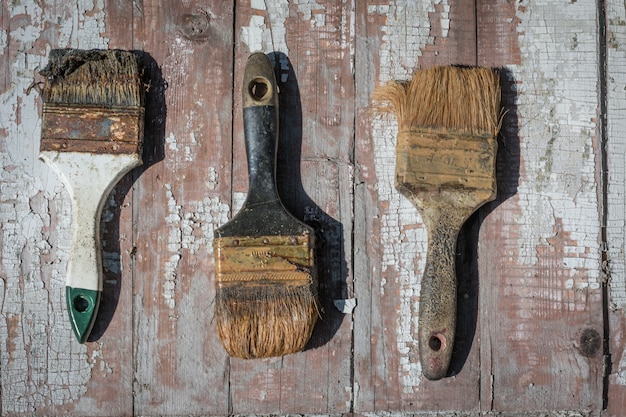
column 82, row 306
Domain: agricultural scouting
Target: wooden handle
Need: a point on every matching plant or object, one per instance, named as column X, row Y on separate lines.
column 89, row 179
column 260, row 120
column 437, row 311
column 84, row 266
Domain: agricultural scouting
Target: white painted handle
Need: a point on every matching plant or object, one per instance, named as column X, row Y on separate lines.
column 89, row 179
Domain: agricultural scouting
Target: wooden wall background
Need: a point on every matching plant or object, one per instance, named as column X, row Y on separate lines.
column 542, row 279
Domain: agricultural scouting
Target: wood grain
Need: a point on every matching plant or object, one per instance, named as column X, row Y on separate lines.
column 180, row 366
column 531, row 271
column 613, row 41
column 309, row 45
column 539, row 261
column 391, row 39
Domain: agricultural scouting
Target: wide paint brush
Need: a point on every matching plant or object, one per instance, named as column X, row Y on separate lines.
column 265, row 273
column 448, row 119
column 92, row 132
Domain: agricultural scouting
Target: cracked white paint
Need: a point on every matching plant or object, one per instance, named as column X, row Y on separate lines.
column 4, row 37
column 191, row 228
column 404, row 240
column 312, row 11
column 40, row 362
column 557, row 104
column 238, row 199
column 444, row 18
column 616, row 131
column 268, row 33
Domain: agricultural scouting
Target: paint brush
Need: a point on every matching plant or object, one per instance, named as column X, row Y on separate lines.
column 265, row 273
column 448, row 120
column 92, row 132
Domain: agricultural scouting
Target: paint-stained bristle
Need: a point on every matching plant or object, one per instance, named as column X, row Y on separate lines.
column 463, row 99
column 262, row 321
column 95, row 77
column 266, row 293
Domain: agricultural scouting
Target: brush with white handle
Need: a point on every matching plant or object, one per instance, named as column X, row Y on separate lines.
column 92, row 133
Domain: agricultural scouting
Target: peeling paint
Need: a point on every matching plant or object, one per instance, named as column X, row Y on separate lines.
column 312, row 11
column 616, row 128
column 268, row 33
column 268, row 36
column 559, row 182
column 41, row 364
column 191, row 228
column 403, row 239
column 4, row 40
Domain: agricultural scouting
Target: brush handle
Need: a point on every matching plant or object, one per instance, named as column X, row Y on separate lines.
column 89, row 179
column 260, row 120
column 437, row 309
column 260, row 131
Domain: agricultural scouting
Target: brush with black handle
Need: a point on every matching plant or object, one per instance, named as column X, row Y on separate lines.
column 265, row 273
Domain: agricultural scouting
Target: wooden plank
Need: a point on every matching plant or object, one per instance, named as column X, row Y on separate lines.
column 44, row 370
column 615, row 39
column 393, row 39
column 310, row 43
column 539, row 255
column 526, row 343
column 181, row 197
column 5, row 69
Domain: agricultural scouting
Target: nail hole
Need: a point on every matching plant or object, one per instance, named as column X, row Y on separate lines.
column 81, row 304
column 437, row 342
column 259, row 89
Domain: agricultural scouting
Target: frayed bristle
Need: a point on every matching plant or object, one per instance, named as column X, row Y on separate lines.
column 93, row 77
column 262, row 321
column 462, row 99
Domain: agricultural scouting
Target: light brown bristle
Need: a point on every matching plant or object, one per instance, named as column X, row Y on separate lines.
column 461, row 99
column 266, row 301
column 95, row 77
column 262, row 321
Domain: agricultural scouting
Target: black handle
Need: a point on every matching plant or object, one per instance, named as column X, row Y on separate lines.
column 260, row 120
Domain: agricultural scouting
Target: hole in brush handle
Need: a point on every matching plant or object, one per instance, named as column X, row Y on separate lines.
column 437, row 342
column 81, row 304
column 259, row 89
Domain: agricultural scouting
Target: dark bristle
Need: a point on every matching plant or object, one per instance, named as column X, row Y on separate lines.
column 93, row 77
column 463, row 99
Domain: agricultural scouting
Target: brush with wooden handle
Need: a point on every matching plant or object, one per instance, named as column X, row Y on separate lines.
column 92, row 132
column 448, row 120
column 265, row 273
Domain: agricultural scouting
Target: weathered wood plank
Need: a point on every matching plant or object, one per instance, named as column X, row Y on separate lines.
column 310, row 44
column 615, row 39
column 182, row 196
column 5, row 67
column 44, row 370
column 393, row 39
column 531, row 286
column 539, row 253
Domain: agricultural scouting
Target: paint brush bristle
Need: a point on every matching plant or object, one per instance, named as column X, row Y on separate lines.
column 94, row 77
column 461, row 99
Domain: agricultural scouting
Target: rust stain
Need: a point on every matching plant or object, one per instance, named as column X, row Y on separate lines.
column 87, row 129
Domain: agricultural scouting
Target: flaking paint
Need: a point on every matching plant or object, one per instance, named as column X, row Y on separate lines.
column 405, row 34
